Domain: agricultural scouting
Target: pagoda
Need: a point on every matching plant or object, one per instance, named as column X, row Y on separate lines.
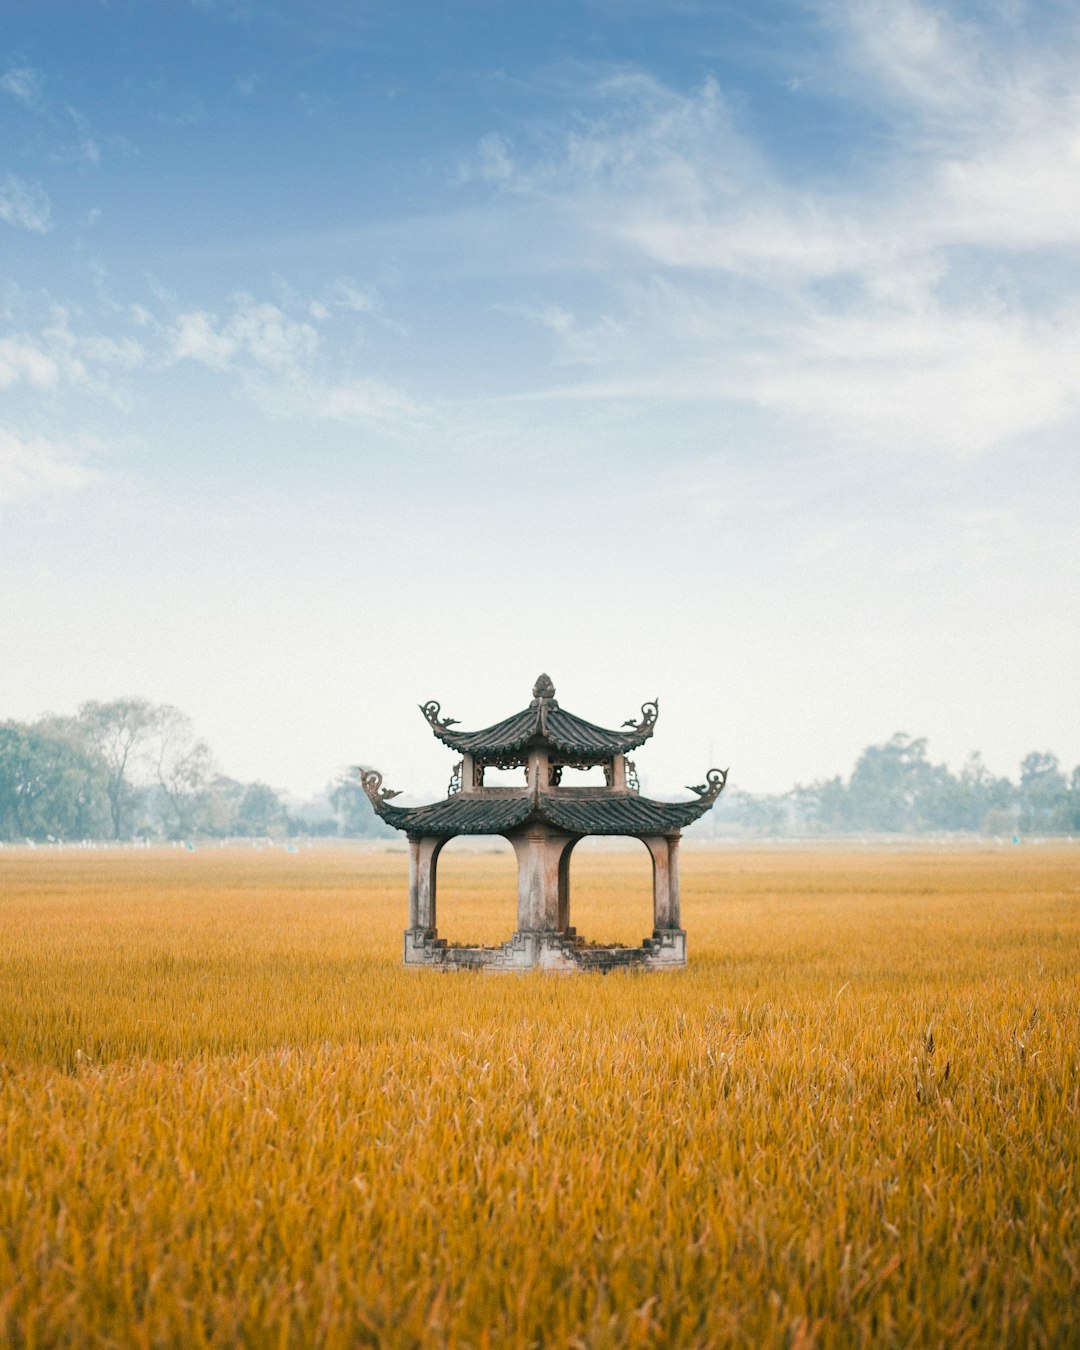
column 544, row 819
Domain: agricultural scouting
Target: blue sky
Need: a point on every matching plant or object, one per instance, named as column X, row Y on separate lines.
column 353, row 355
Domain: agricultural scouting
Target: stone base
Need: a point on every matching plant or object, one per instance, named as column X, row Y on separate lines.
column 665, row 950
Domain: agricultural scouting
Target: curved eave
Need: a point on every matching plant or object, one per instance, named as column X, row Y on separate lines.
column 505, row 737
column 626, row 814
column 571, row 738
column 474, row 813
column 460, row 815
column 571, row 735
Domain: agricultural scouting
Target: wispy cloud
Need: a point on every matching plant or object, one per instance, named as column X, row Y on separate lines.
column 25, row 204
column 883, row 307
column 23, row 83
column 273, row 355
column 277, row 359
column 30, row 467
column 492, row 161
column 24, row 360
column 57, row 356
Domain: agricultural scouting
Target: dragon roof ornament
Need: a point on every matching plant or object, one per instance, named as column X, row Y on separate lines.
column 712, row 787
column 650, row 711
column 432, row 711
column 371, row 782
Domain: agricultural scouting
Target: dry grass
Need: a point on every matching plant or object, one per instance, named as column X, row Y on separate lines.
column 228, row 1116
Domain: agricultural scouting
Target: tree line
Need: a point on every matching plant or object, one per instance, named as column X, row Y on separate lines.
column 129, row 768
column 895, row 789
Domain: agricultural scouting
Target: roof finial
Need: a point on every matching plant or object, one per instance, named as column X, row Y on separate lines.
column 543, row 688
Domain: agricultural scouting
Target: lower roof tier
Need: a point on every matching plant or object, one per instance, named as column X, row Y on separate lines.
column 617, row 813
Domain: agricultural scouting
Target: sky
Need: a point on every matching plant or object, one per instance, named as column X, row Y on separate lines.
column 726, row 351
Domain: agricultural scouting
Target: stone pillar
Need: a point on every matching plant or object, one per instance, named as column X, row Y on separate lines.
column 564, row 885
column 618, row 773
column 665, row 881
column 538, row 849
column 414, row 882
column 674, row 898
column 423, row 857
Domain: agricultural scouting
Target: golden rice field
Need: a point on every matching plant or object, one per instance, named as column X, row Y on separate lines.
column 229, row 1117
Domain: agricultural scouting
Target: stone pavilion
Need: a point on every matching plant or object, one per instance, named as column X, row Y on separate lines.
column 544, row 819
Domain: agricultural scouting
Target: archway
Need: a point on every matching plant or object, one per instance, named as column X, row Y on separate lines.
column 611, row 890
column 477, row 890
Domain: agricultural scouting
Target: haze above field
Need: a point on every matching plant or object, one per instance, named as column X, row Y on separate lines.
column 355, row 356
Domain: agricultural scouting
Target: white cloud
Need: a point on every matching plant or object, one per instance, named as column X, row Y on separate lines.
column 276, row 360
column 22, row 359
column 962, row 384
column 25, row 204
column 915, row 53
column 280, row 362
column 881, row 309
column 60, row 357
column 196, row 338
column 23, row 83
column 31, row 467
column 258, row 333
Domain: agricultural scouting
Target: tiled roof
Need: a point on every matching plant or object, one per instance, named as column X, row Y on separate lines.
column 611, row 813
column 544, row 723
column 619, row 814
column 474, row 814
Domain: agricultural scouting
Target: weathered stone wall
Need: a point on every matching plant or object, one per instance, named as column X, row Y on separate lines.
column 546, row 951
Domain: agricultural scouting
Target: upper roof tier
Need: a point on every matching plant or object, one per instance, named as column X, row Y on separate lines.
column 544, row 725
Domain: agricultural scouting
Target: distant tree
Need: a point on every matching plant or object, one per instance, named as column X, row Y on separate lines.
column 51, row 782
column 887, row 784
column 894, row 788
column 823, row 807
column 984, row 801
column 80, row 776
column 1067, row 818
column 184, row 769
column 221, row 805
column 763, row 813
column 122, row 731
column 261, row 811
column 314, row 816
column 1043, row 792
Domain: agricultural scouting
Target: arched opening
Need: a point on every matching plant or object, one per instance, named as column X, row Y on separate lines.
column 477, row 890
column 611, row 891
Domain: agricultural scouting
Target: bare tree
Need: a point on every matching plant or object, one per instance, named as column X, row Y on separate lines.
column 122, row 731
column 184, row 767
